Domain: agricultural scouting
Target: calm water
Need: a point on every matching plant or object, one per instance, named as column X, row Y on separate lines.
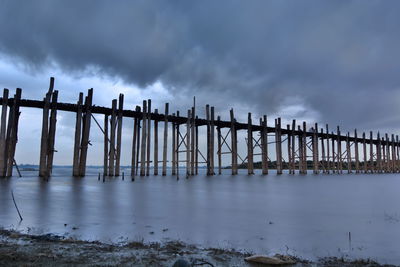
column 309, row 216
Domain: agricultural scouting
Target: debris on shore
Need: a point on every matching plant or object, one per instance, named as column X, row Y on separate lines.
column 18, row 249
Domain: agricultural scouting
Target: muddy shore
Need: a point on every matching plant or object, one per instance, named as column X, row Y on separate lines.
column 18, row 249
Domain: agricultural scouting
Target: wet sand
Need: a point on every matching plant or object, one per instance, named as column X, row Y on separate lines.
column 17, row 249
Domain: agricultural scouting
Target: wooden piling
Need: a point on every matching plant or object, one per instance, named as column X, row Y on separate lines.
column 86, row 133
column 393, row 158
column 193, row 139
column 365, row 166
column 208, row 140
column 155, row 156
column 315, row 149
column 148, row 132
column 379, row 153
column 196, row 155
column 339, row 152
column 138, row 142
column 14, row 133
column 348, row 152
column 293, row 150
column 219, row 139
column 134, row 141
column 250, row 164
column 143, row 143
column 304, row 149
column 165, row 142
column 233, row 144
column 371, row 153
column 328, row 165
column 289, row 147
column 106, row 144
column 356, row 155
column 264, row 146
column 77, row 138
column 3, row 133
column 323, row 159
column 45, row 133
column 278, row 145
column 397, row 154
column 52, row 132
column 212, row 141
column 387, row 152
column 173, row 150
column 111, row 164
column 335, row 168
column 177, row 148
column 119, row 134
column 188, row 130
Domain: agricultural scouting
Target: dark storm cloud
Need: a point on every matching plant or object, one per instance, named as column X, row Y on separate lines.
column 337, row 58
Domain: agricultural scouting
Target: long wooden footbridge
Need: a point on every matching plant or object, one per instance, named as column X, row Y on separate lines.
column 316, row 149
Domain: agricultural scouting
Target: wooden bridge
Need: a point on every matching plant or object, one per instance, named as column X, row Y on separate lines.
column 316, row 149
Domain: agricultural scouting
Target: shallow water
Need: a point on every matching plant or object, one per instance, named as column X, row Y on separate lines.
column 308, row 216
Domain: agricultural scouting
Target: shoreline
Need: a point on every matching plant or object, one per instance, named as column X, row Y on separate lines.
column 18, row 249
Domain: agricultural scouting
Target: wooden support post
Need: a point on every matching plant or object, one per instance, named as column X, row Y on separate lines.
column 348, row 152
column 138, row 143
column 155, row 164
column 371, row 153
column 234, row 144
column 148, row 131
column 193, row 139
column 365, row 166
column 143, row 143
column 86, row 134
column 208, row 140
column 250, row 166
column 335, row 168
column 14, row 132
column 339, row 152
column 111, row 166
column 383, row 146
column 397, row 154
column 323, row 160
column 328, row 162
column 177, row 148
column 289, row 146
column 44, row 135
column 356, row 155
column 106, row 144
column 165, row 143
column 278, row 143
column 387, row 152
column 3, row 133
column 119, row 135
column 304, row 149
column 219, row 139
column 378, row 153
column 197, row 149
column 393, row 159
column 77, row 139
column 264, row 145
column 52, row 132
column 315, row 149
column 134, row 138
column 212, row 141
column 300, row 137
column 293, row 150
column 188, row 130
column 173, row 166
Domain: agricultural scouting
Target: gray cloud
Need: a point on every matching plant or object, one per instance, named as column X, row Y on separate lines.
column 337, row 59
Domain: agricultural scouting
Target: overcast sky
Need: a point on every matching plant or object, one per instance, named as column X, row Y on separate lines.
column 333, row 62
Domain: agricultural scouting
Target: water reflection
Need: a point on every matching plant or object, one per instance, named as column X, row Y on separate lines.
column 308, row 216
